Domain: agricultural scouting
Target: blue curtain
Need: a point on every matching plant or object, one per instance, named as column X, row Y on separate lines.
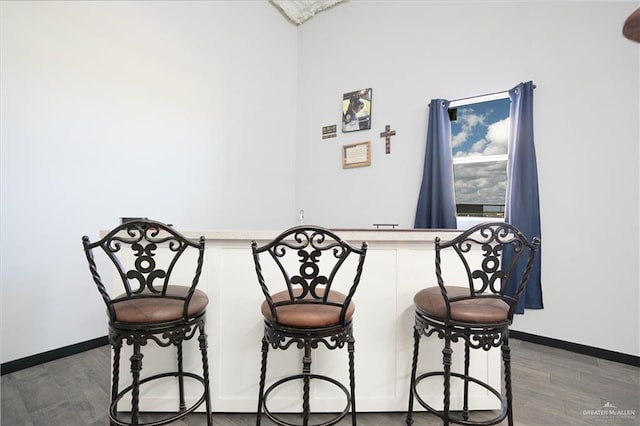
column 522, row 202
column 436, row 201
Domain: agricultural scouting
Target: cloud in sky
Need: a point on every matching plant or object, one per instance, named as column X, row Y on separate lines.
column 480, row 183
column 497, row 137
column 465, row 127
column 477, row 135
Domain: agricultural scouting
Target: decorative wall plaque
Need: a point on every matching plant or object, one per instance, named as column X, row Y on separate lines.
column 356, row 155
column 329, row 131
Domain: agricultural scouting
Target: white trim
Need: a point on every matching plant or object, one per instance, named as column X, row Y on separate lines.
column 478, row 99
column 480, row 159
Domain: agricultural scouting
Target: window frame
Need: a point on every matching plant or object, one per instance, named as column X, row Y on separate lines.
column 465, row 222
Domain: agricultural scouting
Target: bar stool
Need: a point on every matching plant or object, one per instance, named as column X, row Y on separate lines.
column 151, row 307
column 477, row 311
column 307, row 309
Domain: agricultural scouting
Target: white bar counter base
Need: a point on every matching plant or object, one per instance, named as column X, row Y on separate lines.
column 398, row 264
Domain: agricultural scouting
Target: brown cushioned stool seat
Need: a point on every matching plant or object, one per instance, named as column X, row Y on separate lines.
column 308, row 315
column 479, row 310
column 146, row 310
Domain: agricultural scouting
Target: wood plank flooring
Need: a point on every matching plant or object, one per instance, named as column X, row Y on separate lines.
column 552, row 387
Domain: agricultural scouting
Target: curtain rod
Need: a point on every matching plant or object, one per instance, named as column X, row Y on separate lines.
column 482, row 96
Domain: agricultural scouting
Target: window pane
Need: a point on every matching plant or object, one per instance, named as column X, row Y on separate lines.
column 479, row 136
column 480, row 188
column 481, row 129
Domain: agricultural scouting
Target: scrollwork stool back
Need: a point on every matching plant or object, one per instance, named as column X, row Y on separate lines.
column 309, row 310
column 477, row 311
column 150, row 306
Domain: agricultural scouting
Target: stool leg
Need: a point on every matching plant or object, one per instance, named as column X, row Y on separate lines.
column 352, row 378
column 117, row 346
column 182, row 406
column 263, row 373
column 506, row 357
column 465, row 407
column 202, row 339
column 306, row 372
column 136, row 367
column 414, row 366
column 446, row 362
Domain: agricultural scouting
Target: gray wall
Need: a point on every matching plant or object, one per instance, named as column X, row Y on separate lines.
column 586, row 130
column 168, row 110
column 208, row 115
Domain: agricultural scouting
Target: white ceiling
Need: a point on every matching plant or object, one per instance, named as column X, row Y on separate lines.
column 298, row 11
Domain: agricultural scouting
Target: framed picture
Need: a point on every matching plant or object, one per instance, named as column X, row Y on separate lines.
column 356, row 155
column 356, row 110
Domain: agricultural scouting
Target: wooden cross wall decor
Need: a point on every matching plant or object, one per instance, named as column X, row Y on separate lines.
column 387, row 135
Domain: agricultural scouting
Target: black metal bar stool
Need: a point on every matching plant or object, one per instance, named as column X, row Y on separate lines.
column 309, row 310
column 476, row 311
column 152, row 307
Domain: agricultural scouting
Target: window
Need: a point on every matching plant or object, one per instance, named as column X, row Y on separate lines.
column 479, row 139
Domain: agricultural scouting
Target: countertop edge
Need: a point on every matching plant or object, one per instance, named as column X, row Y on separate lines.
column 352, row 235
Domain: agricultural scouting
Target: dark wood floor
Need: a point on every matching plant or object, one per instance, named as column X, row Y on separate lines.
column 552, row 387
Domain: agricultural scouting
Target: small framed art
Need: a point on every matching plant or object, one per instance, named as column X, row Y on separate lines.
column 356, row 110
column 356, row 155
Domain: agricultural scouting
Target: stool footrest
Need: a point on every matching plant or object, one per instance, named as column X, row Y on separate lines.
column 456, row 418
column 332, row 421
column 113, row 415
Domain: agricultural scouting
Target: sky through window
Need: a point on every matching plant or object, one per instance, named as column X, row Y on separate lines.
column 479, row 138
